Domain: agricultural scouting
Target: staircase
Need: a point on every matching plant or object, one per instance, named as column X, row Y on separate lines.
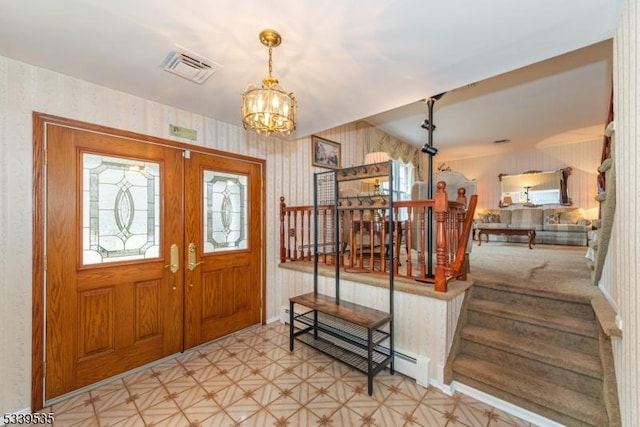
column 537, row 352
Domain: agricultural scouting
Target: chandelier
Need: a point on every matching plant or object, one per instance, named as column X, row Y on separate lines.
column 268, row 108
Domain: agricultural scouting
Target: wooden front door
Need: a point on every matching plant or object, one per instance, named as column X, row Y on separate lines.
column 123, row 219
column 113, row 301
column 223, row 240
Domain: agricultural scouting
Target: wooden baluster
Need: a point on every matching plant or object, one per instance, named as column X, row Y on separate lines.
column 383, row 233
column 423, row 240
column 372, row 226
column 397, row 240
column 309, row 234
column 283, row 251
column 408, row 242
column 295, row 235
column 303, row 254
column 289, row 234
column 441, row 204
column 361, row 237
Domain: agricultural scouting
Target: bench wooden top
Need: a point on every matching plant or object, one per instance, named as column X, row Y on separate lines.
column 357, row 314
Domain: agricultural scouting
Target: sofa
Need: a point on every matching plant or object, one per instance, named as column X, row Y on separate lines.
column 555, row 226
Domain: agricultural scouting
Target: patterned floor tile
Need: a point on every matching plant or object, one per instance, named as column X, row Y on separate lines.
column 362, row 403
column 323, row 405
column 283, row 407
column 305, row 417
column 472, row 412
column 252, row 379
column 426, row 416
column 194, row 360
column 439, row 401
column 108, row 388
column 386, row 416
column 103, row 402
column 160, row 411
column 178, row 385
column 500, row 418
column 228, row 396
column 73, row 402
column 150, row 398
column 266, row 394
column 345, row 417
column 401, row 402
column 115, row 415
column 411, row 389
column 243, row 409
column 217, row 382
column 202, row 409
column 77, row 416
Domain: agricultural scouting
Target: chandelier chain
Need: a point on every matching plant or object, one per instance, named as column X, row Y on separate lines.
column 270, row 61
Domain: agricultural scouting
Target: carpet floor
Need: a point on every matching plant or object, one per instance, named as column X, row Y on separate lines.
column 552, row 269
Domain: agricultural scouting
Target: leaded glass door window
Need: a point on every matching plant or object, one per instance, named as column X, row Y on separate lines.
column 121, row 205
column 225, row 204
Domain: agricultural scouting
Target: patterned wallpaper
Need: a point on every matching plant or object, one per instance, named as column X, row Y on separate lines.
column 582, row 157
column 621, row 275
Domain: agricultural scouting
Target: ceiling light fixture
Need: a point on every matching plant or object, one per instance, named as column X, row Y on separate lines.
column 269, row 108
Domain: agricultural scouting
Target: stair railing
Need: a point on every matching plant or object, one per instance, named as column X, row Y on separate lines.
column 366, row 236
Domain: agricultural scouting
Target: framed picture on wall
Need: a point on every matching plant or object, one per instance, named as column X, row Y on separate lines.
column 325, row 153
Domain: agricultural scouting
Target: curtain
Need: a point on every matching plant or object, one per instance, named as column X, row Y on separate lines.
column 373, row 139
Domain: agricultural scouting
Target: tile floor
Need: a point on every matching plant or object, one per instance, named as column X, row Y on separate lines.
column 251, row 379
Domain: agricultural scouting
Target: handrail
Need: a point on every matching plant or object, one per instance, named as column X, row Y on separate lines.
column 365, row 236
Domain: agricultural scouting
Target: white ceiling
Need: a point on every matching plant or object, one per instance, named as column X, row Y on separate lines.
column 348, row 60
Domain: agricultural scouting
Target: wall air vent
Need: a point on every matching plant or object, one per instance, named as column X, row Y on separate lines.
column 189, row 65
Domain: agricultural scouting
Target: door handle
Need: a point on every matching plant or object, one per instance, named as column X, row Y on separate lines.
column 192, row 257
column 174, row 260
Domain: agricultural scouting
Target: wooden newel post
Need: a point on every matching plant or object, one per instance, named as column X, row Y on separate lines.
column 441, row 208
column 283, row 251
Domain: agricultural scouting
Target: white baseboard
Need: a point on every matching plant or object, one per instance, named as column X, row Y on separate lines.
column 507, row 407
column 274, row 319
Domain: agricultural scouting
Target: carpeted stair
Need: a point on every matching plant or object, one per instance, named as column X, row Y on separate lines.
column 536, row 351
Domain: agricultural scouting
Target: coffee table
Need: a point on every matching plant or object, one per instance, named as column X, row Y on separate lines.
column 530, row 232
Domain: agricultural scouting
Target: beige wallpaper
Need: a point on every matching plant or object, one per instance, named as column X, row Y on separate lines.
column 582, row 157
column 621, row 277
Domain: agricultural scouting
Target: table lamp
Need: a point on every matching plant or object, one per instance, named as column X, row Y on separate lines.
column 376, row 157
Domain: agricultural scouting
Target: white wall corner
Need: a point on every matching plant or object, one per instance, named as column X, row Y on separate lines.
column 275, row 319
column 284, row 314
column 422, row 370
column 438, row 381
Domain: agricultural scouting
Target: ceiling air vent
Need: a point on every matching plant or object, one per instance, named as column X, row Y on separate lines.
column 189, row 65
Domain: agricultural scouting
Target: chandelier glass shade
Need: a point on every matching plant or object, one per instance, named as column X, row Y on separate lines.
column 269, row 108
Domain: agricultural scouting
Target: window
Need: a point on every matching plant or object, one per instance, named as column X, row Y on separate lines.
column 403, row 180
